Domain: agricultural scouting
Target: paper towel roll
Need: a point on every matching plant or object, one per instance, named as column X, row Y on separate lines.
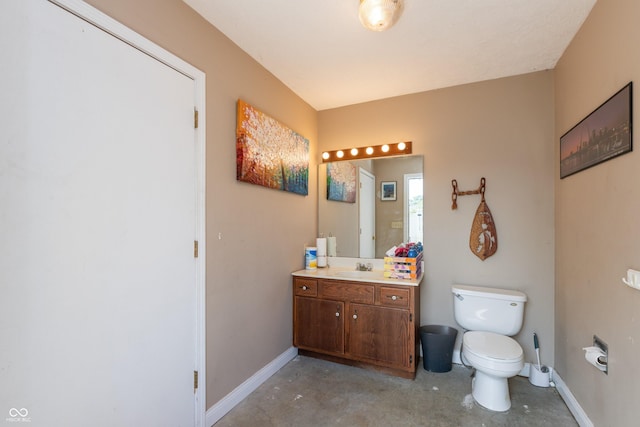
column 321, row 244
column 596, row 357
column 331, row 246
column 310, row 258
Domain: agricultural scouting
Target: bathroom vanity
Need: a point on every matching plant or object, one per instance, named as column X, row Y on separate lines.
column 357, row 318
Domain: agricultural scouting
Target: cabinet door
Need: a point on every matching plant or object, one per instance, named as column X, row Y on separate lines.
column 319, row 325
column 379, row 334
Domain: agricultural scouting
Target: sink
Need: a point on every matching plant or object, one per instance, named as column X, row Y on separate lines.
column 357, row 274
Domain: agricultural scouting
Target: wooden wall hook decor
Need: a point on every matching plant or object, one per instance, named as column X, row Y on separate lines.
column 456, row 192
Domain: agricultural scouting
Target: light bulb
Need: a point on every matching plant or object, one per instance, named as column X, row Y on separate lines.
column 354, row 151
column 402, row 146
column 340, row 154
column 325, row 155
column 385, row 148
column 369, row 150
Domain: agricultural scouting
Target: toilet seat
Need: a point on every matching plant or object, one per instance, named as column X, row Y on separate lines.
column 493, row 352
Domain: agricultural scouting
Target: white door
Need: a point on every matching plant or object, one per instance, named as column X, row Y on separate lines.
column 97, row 218
column 366, row 198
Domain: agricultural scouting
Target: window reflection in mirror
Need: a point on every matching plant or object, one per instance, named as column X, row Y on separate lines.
column 396, row 221
column 413, row 207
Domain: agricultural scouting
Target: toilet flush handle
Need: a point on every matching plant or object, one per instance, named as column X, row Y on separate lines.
column 460, row 297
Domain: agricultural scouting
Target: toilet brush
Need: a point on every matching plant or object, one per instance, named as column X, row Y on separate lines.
column 536, row 345
column 538, row 376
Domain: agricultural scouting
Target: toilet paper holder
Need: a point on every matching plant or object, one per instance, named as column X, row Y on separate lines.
column 598, row 355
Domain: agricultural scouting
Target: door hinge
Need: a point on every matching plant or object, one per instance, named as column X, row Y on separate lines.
column 195, row 381
column 195, row 118
column 411, row 359
column 410, row 317
column 195, row 249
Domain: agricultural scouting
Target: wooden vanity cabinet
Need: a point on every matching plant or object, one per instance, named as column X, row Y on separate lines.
column 363, row 324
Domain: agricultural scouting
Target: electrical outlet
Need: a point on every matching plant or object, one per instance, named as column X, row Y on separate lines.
column 597, row 342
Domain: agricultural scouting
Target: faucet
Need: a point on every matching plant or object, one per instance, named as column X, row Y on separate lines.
column 361, row 266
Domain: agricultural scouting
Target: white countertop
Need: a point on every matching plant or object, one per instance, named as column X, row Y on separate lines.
column 344, row 269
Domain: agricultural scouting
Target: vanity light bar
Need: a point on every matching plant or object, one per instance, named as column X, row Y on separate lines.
column 358, row 153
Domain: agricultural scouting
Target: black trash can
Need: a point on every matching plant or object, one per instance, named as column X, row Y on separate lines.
column 437, row 347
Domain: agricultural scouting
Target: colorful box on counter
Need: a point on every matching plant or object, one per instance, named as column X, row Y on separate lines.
column 403, row 268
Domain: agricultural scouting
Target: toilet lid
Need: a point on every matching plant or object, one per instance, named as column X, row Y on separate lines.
column 492, row 345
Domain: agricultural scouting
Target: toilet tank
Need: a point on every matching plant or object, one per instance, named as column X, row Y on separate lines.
column 496, row 310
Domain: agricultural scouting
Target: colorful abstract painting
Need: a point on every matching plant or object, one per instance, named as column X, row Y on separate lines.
column 269, row 153
column 341, row 182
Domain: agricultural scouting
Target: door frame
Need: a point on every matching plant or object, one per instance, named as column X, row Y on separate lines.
column 130, row 37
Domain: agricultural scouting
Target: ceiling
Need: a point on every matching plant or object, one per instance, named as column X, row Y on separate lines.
column 321, row 52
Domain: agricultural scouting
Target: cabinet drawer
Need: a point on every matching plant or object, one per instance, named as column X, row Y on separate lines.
column 394, row 297
column 347, row 291
column 305, row 287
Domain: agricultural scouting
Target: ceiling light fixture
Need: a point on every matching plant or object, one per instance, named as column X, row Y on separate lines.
column 371, row 151
column 378, row 15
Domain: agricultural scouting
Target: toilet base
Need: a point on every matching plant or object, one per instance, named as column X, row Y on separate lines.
column 491, row 392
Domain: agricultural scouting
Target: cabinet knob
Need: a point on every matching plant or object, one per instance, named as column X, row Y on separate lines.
column 355, row 316
column 304, row 288
column 337, row 314
column 393, row 298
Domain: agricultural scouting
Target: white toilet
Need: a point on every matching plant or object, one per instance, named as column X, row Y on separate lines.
column 490, row 316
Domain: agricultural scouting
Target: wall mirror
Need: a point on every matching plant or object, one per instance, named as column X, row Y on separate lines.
column 387, row 208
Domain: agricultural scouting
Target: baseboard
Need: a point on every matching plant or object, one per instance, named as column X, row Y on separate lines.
column 456, row 357
column 227, row 403
column 578, row 413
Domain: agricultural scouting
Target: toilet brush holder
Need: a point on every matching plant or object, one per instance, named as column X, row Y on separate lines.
column 539, row 376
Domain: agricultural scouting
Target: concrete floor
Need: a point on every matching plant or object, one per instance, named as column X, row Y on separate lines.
column 315, row 393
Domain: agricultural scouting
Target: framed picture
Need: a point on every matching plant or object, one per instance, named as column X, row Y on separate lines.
column 388, row 190
column 602, row 135
column 341, row 182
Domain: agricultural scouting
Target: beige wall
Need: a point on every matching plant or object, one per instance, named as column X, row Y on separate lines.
column 263, row 231
column 502, row 130
column 597, row 223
